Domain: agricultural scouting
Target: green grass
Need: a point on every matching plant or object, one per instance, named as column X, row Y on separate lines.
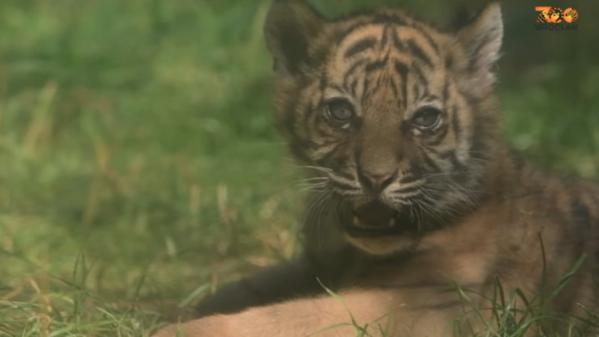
column 140, row 167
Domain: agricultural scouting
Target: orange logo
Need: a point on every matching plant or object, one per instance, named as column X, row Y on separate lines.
column 556, row 18
column 552, row 15
column 570, row 15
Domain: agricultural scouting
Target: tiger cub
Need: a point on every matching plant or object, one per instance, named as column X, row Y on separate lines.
column 420, row 212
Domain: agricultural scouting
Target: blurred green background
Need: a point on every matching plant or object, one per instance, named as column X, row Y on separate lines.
column 139, row 165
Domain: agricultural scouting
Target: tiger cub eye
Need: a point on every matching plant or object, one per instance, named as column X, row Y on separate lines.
column 427, row 118
column 339, row 111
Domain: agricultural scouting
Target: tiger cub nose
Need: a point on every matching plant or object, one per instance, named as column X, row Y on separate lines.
column 376, row 181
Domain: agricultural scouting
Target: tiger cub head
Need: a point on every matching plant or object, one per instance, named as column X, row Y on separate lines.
column 395, row 117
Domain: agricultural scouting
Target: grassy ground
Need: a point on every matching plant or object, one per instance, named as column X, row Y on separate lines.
column 139, row 164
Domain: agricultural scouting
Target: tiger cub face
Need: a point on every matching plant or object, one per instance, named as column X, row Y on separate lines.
column 396, row 116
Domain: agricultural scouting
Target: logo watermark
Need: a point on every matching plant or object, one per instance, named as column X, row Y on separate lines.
column 555, row 18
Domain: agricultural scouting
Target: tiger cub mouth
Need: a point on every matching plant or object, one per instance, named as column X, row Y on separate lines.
column 378, row 219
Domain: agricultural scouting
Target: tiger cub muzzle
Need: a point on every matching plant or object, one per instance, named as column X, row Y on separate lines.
column 377, row 219
column 376, row 212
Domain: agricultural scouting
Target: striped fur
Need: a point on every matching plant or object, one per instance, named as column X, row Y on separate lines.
column 388, row 66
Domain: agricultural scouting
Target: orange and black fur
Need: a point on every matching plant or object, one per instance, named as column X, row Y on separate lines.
column 414, row 191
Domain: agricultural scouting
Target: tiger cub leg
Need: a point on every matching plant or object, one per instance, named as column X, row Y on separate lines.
column 298, row 278
column 373, row 313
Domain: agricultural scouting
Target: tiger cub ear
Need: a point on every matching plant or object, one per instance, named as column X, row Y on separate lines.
column 290, row 25
column 481, row 40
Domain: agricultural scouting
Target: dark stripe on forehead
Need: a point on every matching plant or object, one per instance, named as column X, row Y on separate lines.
column 423, row 83
column 360, row 46
column 429, row 38
column 402, row 70
column 397, row 43
column 419, row 53
column 351, row 71
column 393, row 88
column 323, row 81
column 376, row 65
